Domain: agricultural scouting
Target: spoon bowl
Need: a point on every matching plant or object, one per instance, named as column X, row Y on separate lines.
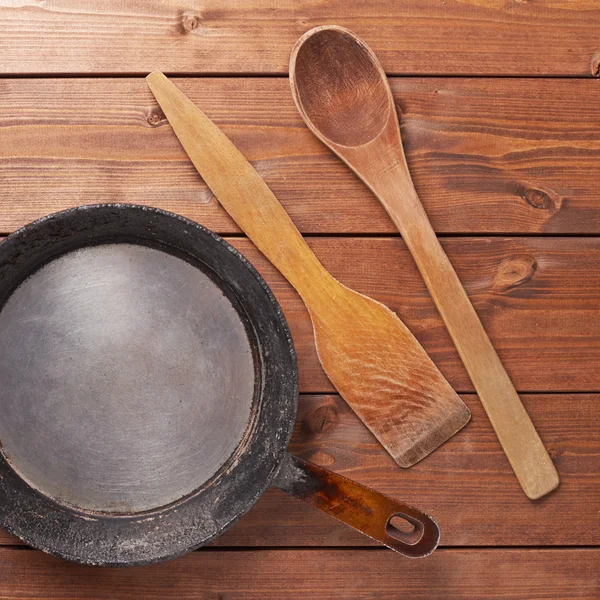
column 340, row 87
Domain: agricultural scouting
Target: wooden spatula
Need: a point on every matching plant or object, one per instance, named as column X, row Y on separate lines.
column 370, row 356
column 343, row 96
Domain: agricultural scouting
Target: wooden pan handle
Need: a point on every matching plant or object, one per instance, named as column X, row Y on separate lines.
column 366, row 510
column 519, row 439
column 239, row 188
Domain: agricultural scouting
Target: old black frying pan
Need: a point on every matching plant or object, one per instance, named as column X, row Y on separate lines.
column 148, row 393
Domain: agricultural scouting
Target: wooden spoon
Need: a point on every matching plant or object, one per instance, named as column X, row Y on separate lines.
column 368, row 353
column 343, row 96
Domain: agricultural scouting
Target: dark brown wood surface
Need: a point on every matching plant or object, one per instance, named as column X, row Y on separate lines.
column 460, row 37
column 507, row 169
column 320, row 574
column 537, row 297
column 495, row 156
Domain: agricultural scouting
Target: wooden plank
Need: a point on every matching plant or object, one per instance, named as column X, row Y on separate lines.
column 291, row 574
column 467, row 484
column 491, row 37
column 537, row 298
column 489, row 155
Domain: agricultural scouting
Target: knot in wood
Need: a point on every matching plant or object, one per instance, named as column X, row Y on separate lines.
column 540, row 199
column 320, row 420
column 595, row 65
column 514, row 272
column 322, row 458
column 189, row 23
column 155, row 117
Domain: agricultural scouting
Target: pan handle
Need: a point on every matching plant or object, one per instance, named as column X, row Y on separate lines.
column 368, row 511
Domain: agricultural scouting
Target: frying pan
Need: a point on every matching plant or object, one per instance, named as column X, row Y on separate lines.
column 149, row 391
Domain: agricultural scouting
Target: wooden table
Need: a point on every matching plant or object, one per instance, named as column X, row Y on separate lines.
column 499, row 103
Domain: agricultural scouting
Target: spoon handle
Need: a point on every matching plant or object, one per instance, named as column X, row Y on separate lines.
column 519, row 439
column 233, row 180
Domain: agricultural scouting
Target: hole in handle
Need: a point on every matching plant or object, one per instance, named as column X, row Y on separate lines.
column 404, row 529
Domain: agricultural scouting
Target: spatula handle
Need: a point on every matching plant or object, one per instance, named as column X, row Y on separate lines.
column 519, row 439
column 239, row 188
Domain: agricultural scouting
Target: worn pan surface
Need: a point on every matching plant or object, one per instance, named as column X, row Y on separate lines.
column 149, row 391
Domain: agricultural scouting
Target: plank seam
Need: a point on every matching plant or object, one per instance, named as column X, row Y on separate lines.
column 276, row 75
column 234, row 549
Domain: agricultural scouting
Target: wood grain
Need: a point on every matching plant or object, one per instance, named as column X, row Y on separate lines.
column 467, row 484
column 343, row 95
column 369, row 355
column 495, row 155
column 486, row 155
column 495, row 37
column 537, row 299
column 290, row 574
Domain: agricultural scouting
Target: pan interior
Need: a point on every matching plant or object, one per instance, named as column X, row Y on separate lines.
column 127, row 378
